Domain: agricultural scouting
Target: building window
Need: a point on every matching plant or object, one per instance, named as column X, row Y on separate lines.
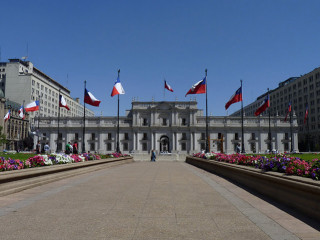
column 286, row 147
column 183, row 146
column 184, row 122
column 76, row 136
column 253, row 147
column 164, row 121
column 202, row 146
column 93, row 136
column 145, row 136
column 109, row 147
column 92, row 146
column 286, row 136
column 144, row 147
column 109, row 136
column 253, row 136
column 60, row 137
column 184, row 136
column 203, row 136
column 145, row 122
column 236, row 136
column 126, row 136
column 125, row 146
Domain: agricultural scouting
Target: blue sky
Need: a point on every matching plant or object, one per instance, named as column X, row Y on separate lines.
column 261, row 42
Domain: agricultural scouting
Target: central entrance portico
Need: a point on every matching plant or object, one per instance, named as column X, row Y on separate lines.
column 164, row 144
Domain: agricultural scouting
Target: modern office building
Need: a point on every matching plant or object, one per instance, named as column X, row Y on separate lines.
column 22, row 82
column 169, row 127
column 301, row 91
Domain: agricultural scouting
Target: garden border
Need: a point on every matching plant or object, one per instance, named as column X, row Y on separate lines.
column 18, row 180
column 301, row 194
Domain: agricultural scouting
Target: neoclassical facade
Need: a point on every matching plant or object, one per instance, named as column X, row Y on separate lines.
column 174, row 127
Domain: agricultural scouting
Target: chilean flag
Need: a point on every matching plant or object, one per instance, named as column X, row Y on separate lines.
column 62, row 102
column 306, row 114
column 167, row 86
column 288, row 111
column 21, row 113
column 265, row 104
column 236, row 97
column 199, row 87
column 90, row 99
column 117, row 88
column 7, row 116
column 33, row 106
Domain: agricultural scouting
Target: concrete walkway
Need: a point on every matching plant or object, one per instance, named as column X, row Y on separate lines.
column 143, row 201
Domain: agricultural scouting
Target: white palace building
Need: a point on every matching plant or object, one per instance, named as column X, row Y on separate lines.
column 169, row 127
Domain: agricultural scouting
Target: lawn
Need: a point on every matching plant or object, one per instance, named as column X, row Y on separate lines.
column 20, row 156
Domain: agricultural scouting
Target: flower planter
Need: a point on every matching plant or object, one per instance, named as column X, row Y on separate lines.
column 301, row 194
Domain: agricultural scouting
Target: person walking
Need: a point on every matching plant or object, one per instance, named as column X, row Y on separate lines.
column 46, row 148
column 153, row 156
column 68, row 148
column 75, row 148
column 38, row 148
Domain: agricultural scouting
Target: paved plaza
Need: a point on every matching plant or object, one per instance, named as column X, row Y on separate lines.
column 145, row 201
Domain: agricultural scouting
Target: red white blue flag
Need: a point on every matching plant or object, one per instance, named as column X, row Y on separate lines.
column 62, row 102
column 306, row 114
column 33, row 106
column 21, row 112
column 265, row 104
column 90, row 99
column 7, row 116
column 167, row 86
column 199, row 87
column 236, row 97
column 288, row 111
column 117, row 88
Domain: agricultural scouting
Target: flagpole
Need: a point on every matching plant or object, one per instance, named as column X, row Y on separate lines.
column 39, row 117
column 84, row 119
column 58, row 122
column 164, row 90
column 242, row 132
column 291, row 140
column 270, row 138
column 308, row 132
column 23, row 124
column 207, row 129
column 118, row 127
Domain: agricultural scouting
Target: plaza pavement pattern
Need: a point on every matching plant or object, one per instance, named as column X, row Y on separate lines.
column 145, row 201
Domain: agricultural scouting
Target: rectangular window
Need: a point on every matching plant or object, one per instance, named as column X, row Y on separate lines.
column 93, row 136
column 253, row 136
column 92, row 147
column 144, row 147
column 126, row 136
column 109, row 147
column 202, row 146
column 184, row 136
column 145, row 136
column 109, row 136
column 76, row 136
column 183, row 146
column 286, row 136
column 164, row 122
column 184, row 122
column 203, row 136
column 236, row 136
column 145, row 122
column 125, row 146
